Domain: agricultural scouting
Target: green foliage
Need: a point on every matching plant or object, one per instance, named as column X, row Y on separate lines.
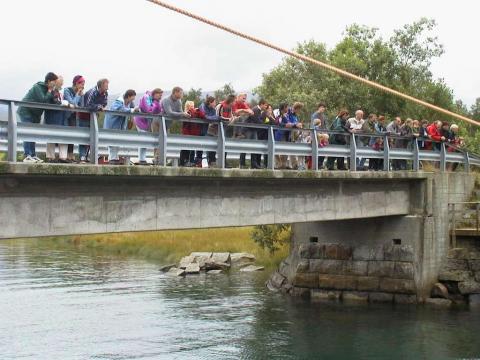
column 194, row 95
column 271, row 237
column 221, row 93
column 402, row 63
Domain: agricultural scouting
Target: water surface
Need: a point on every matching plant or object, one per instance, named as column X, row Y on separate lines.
column 62, row 302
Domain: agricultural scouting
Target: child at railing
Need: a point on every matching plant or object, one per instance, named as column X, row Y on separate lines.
column 377, row 164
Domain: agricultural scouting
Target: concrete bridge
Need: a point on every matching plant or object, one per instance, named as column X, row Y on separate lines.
column 49, row 200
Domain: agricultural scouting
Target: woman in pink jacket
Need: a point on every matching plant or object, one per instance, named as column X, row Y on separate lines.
column 149, row 103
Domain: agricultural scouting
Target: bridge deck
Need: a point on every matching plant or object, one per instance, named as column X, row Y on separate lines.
column 56, row 170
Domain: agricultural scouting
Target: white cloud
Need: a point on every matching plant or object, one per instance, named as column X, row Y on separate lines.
column 139, row 45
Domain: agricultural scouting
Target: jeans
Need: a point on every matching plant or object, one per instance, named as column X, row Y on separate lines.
column 83, row 149
column 28, row 146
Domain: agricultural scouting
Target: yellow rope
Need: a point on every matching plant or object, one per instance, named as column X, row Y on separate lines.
column 316, row 62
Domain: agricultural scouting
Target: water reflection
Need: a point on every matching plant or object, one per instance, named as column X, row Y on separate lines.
column 72, row 303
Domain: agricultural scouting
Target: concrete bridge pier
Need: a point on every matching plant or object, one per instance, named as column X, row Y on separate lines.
column 380, row 259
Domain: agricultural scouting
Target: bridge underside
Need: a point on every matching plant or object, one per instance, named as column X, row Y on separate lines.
column 48, row 200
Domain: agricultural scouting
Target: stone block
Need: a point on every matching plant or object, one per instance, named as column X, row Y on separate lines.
column 368, row 253
column 404, row 299
column 355, row 296
column 306, row 280
column 303, row 265
column 325, row 295
column 312, row 251
column 474, row 300
column 469, row 287
column 439, row 291
column 380, row 297
column 403, row 270
column 337, row 282
column 474, row 255
column 338, row 252
column 381, row 268
column 454, row 264
column 222, row 257
column 438, row 302
column 355, row 268
column 277, row 279
column 284, row 268
column 252, row 268
column 192, row 268
column 458, row 253
column 326, row 266
column 399, row 253
column 214, row 272
column 210, row 264
column 301, row 292
column 454, row 275
column 367, row 283
column 240, row 258
column 401, row 286
column 474, row 265
column 186, row 260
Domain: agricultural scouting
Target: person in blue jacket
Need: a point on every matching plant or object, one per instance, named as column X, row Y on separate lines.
column 126, row 104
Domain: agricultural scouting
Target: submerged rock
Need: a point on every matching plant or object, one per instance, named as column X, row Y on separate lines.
column 166, row 268
column 251, row 268
column 176, row 272
column 214, row 272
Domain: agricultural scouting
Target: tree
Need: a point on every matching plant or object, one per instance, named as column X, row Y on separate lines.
column 271, row 237
column 402, row 63
column 223, row 92
column 194, row 95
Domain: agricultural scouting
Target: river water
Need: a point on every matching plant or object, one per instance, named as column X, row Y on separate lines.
column 68, row 303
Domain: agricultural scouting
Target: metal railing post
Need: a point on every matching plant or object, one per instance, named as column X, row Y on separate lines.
column 443, row 157
column 416, row 155
column 353, row 153
column 386, row 154
column 93, row 138
column 221, row 146
column 162, row 143
column 271, row 149
column 12, row 133
column 466, row 161
column 315, row 151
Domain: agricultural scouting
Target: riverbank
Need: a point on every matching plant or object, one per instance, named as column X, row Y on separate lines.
column 170, row 246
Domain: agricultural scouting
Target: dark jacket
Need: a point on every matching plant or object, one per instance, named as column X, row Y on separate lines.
column 38, row 93
column 339, row 125
column 94, row 100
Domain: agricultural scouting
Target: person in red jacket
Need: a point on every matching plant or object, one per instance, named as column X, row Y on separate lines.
column 435, row 134
column 187, row 157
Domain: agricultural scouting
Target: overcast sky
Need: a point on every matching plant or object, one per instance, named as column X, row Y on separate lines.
column 139, row 45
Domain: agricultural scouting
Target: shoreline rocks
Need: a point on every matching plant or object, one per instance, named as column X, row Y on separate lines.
column 212, row 263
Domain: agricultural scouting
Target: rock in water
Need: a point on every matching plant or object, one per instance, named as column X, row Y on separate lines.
column 438, row 302
column 251, row 268
column 166, row 268
column 214, row 272
column 439, row 291
column 176, row 272
column 192, row 268
column 211, row 264
column 221, row 257
column 241, row 258
column 185, row 261
column 201, row 257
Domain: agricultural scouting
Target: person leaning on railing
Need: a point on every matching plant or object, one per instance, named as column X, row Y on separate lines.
column 224, row 113
column 126, row 104
column 208, row 108
column 190, row 158
column 74, row 96
column 267, row 119
column 339, row 125
column 149, row 104
column 59, row 118
column 95, row 99
column 41, row 92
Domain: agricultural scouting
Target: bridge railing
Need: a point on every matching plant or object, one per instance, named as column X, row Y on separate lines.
column 13, row 133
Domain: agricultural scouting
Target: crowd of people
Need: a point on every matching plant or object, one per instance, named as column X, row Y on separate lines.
column 233, row 110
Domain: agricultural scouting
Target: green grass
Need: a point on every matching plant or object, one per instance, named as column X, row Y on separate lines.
column 169, row 246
